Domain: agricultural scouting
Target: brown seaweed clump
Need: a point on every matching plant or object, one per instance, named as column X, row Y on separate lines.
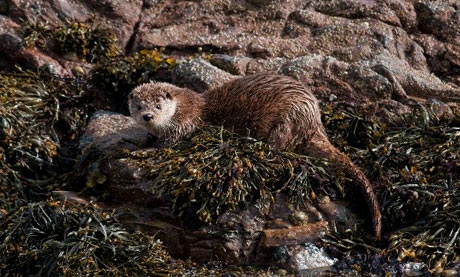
column 122, row 74
column 215, row 170
column 417, row 168
column 58, row 238
column 38, row 111
column 87, row 42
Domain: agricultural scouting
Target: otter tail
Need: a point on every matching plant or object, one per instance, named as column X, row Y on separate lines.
column 319, row 146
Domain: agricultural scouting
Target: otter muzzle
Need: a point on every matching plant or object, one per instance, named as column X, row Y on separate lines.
column 147, row 117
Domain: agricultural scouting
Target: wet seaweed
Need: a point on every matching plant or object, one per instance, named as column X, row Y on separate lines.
column 216, row 170
column 84, row 40
column 122, row 74
column 38, row 110
column 416, row 167
column 41, row 117
column 54, row 238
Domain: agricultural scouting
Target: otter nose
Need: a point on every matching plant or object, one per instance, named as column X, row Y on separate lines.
column 147, row 117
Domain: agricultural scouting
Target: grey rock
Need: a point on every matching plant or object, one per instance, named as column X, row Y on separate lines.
column 231, row 64
column 414, row 269
column 199, row 75
column 112, row 133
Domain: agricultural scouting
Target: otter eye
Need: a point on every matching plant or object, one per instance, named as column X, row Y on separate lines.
column 158, row 107
column 139, row 107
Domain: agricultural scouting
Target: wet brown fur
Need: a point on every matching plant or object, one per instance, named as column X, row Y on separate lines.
column 275, row 109
column 188, row 111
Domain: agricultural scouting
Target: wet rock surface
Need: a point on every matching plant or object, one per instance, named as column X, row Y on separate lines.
column 199, row 75
column 112, row 133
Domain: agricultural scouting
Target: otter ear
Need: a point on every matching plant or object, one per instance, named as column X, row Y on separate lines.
column 169, row 96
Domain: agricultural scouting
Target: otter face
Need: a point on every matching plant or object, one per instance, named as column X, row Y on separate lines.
column 153, row 106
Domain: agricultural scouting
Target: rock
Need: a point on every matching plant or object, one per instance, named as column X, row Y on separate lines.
column 389, row 112
column 3, row 7
column 438, row 18
column 118, row 16
column 199, row 75
column 416, row 82
column 439, row 111
column 414, row 269
column 30, row 57
column 231, row 64
column 309, row 257
column 113, row 133
column 344, row 80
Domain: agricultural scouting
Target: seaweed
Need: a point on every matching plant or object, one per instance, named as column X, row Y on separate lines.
column 417, row 169
column 54, row 238
column 215, row 170
column 87, row 42
column 122, row 73
column 414, row 166
column 41, row 118
column 37, row 111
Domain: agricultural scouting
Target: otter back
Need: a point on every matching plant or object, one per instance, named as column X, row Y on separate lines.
column 270, row 107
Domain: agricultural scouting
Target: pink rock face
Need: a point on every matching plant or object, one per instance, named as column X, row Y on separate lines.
column 351, row 38
column 417, row 42
column 121, row 16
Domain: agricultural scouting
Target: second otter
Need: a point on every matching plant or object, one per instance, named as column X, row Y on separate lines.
column 273, row 108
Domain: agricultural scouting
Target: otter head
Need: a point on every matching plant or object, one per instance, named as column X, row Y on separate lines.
column 153, row 106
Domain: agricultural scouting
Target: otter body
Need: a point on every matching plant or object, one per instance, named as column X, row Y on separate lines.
column 270, row 107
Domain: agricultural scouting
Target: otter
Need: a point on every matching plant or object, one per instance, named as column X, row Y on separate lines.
column 273, row 108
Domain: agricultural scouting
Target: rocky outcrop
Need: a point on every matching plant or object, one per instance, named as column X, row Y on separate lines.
column 119, row 16
column 415, row 41
column 337, row 44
